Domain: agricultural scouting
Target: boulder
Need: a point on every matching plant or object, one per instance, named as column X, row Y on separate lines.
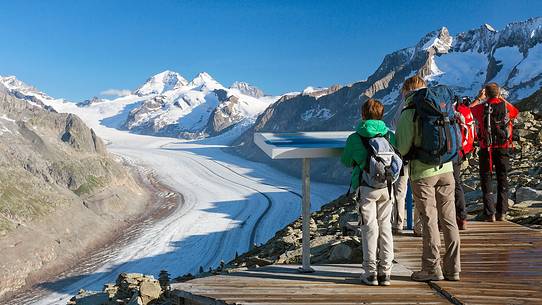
column 528, row 194
column 149, row 290
column 312, row 226
column 135, row 300
column 92, row 299
column 340, row 253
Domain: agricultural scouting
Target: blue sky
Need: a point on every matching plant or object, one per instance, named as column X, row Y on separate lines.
column 77, row 49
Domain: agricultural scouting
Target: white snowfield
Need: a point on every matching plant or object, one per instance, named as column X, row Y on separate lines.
column 229, row 204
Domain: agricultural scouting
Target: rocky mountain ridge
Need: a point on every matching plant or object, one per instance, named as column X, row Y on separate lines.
column 166, row 104
column 58, row 183
column 172, row 106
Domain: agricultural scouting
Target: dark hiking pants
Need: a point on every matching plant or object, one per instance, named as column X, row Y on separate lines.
column 460, row 211
column 501, row 163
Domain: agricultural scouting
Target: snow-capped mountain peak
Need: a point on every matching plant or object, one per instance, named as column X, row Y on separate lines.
column 11, row 82
column 161, row 82
column 489, row 27
column 248, row 89
column 204, row 79
column 21, row 90
column 439, row 41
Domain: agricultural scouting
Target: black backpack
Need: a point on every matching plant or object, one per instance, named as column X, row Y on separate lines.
column 437, row 126
column 497, row 124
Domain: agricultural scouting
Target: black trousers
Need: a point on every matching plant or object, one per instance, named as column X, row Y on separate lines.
column 460, row 211
column 501, row 163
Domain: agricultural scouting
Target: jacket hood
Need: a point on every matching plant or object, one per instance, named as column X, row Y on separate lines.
column 371, row 128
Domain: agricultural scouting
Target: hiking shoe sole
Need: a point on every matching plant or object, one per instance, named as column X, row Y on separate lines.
column 452, row 277
column 421, row 276
column 384, row 280
column 370, row 280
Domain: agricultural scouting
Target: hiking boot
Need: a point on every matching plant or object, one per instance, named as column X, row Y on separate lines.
column 462, row 224
column 501, row 217
column 384, row 280
column 489, row 218
column 426, row 276
column 369, row 279
column 452, row 277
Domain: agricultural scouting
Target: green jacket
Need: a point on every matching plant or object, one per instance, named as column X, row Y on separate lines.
column 354, row 154
column 407, row 135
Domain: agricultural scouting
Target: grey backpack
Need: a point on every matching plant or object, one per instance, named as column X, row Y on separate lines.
column 383, row 165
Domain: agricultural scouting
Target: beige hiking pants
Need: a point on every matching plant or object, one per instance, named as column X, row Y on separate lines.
column 434, row 198
column 375, row 207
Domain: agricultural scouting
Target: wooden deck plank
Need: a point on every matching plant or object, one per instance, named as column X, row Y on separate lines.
column 501, row 262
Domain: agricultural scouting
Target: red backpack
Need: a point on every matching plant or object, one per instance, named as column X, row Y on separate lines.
column 468, row 131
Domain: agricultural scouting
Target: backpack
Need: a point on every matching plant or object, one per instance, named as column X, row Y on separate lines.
column 497, row 124
column 383, row 165
column 467, row 127
column 437, row 126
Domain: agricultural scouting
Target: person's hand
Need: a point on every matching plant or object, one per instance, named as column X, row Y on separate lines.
column 481, row 94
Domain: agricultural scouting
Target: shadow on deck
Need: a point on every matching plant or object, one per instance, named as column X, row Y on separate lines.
column 501, row 263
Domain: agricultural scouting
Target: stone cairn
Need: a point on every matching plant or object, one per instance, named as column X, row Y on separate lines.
column 129, row 289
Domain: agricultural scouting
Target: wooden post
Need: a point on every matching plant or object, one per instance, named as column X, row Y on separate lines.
column 306, row 216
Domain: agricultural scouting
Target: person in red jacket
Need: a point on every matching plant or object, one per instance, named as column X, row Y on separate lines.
column 494, row 118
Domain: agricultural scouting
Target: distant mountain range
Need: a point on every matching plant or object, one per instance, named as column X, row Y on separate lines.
column 167, row 105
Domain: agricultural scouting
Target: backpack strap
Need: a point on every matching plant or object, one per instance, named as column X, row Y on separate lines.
column 368, row 149
column 411, row 106
column 411, row 154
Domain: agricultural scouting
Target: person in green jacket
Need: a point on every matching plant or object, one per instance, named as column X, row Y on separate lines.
column 433, row 189
column 374, row 205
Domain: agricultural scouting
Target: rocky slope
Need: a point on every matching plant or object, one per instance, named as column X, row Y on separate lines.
column 532, row 103
column 465, row 62
column 59, row 191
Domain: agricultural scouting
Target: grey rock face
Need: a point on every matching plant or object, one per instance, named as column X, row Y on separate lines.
column 93, row 100
column 80, row 137
column 224, row 116
column 532, row 103
column 140, row 113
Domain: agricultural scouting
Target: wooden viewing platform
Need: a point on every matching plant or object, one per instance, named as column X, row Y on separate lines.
column 501, row 263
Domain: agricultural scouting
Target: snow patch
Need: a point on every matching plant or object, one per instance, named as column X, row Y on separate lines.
column 318, row 113
column 438, row 44
column 507, row 58
column 530, row 67
column 464, row 71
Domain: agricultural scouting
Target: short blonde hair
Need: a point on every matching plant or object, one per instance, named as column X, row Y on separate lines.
column 413, row 83
column 372, row 110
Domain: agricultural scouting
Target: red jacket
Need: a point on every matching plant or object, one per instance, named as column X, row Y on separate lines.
column 478, row 113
